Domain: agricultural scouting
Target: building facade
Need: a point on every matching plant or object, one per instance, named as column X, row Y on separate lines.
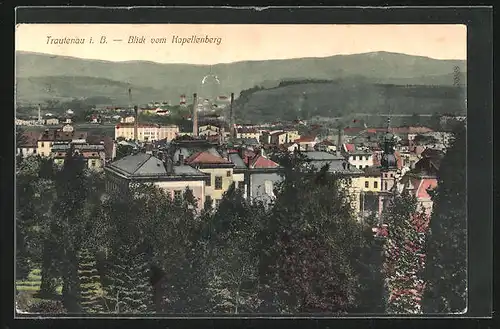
column 146, row 132
column 219, row 172
column 145, row 168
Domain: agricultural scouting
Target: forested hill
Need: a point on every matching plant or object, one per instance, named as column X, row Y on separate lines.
column 341, row 97
column 41, row 76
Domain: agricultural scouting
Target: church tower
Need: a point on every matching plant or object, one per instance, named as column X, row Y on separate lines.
column 388, row 169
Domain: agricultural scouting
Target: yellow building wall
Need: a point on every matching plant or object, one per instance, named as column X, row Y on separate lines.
column 44, row 148
column 226, row 181
column 357, row 186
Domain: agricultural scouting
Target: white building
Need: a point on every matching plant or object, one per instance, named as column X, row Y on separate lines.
column 361, row 160
column 146, row 132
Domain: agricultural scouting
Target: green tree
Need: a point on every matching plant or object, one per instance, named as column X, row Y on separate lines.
column 34, row 243
column 446, row 268
column 369, row 265
column 404, row 248
column 123, row 151
column 233, row 261
column 173, row 230
column 90, row 284
column 130, row 288
column 307, row 246
column 72, row 191
column 127, row 284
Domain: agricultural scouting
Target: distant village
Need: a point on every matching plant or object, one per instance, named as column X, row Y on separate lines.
column 218, row 152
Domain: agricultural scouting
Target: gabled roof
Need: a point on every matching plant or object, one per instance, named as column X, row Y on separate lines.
column 140, row 164
column 425, row 185
column 205, row 157
column 30, row 139
column 350, row 147
column 432, row 153
column 237, row 160
column 261, row 161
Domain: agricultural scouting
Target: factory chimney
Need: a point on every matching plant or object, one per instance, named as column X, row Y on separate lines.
column 136, row 121
column 195, row 115
column 339, row 142
column 231, row 116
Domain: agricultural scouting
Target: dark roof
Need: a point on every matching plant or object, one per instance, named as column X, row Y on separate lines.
column 30, row 139
column 59, row 135
column 432, row 153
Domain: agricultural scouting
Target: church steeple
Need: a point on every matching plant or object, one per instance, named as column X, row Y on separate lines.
column 388, row 161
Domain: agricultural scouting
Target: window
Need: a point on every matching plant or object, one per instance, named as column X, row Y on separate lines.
column 209, row 181
column 228, row 173
column 217, row 202
column 375, row 184
column 34, row 151
column 367, row 184
column 92, row 163
column 360, row 166
column 43, row 153
column 268, row 185
column 385, row 186
column 43, row 145
column 218, row 182
column 208, row 200
column 366, row 166
column 177, row 194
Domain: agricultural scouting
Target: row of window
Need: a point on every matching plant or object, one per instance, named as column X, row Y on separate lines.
column 218, row 180
column 367, row 184
column 361, row 157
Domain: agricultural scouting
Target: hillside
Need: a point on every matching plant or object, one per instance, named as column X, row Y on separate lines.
column 41, row 76
column 345, row 96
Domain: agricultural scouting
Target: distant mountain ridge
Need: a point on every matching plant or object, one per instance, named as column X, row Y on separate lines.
column 42, row 76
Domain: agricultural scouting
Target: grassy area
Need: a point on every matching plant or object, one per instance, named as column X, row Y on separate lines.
column 32, row 283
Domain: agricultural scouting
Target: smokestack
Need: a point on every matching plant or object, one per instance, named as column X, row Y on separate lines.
column 339, row 142
column 39, row 113
column 231, row 116
column 195, row 115
column 136, row 121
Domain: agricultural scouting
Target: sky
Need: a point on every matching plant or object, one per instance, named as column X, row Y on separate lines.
column 241, row 42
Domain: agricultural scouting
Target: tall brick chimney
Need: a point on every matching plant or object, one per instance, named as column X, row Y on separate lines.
column 195, row 115
column 136, row 121
column 231, row 116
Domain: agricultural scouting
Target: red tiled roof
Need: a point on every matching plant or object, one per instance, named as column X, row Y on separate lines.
column 206, row 158
column 426, row 184
column 262, row 162
column 350, row 147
